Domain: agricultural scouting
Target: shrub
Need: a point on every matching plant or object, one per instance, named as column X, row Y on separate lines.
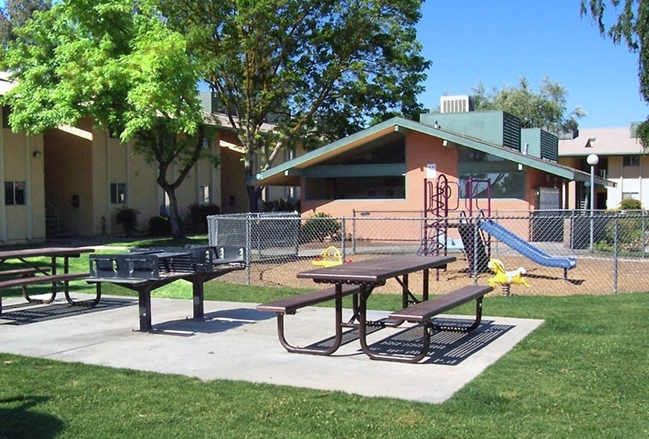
column 630, row 204
column 160, row 226
column 320, row 226
column 281, row 205
column 127, row 218
column 197, row 218
column 629, row 230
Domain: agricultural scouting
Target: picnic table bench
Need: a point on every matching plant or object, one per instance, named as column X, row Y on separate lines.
column 34, row 273
column 422, row 313
column 289, row 305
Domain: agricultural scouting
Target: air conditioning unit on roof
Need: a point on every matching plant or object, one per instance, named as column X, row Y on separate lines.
column 456, row 104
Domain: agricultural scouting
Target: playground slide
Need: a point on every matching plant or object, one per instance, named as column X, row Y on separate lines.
column 525, row 248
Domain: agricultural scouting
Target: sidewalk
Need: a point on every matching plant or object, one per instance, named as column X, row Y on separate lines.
column 236, row 342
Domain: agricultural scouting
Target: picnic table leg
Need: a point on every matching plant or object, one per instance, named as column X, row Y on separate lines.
column 198, row 296
column 366, row 290
column 144, row 302
column 91, row 303
column 313, row 351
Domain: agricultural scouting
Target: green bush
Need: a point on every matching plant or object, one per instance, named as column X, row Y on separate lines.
column 160, row 226
column 629, row 231
column 281, row 205
column 630, row 204
column 197, row 218
column 127, row 218
column 320, row 226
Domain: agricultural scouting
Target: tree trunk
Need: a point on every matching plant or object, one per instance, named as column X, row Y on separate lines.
column 176, row 226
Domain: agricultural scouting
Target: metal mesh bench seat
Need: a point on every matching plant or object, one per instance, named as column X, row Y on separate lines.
column 49, row 279
column 422, row 313
column 29, row 271
column 290, row 305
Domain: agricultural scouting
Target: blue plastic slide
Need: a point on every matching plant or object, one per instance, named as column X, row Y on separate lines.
column 525, row 248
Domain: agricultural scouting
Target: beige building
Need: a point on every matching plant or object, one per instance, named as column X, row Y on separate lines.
column 621, row 160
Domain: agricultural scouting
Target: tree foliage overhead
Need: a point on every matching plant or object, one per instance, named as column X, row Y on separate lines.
column 116, row 62
column 632, row 29
column 15, row 13
column 317, row 69
column 545, row 109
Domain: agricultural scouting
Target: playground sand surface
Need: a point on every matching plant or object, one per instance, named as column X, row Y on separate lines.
column 594, row 276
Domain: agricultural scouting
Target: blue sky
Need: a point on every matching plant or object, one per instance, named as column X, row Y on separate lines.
column 496, row 42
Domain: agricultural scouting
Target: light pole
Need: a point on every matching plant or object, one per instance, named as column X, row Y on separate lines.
column 592, row 160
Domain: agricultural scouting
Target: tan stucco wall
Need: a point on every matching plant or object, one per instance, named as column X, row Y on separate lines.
column 22, row 223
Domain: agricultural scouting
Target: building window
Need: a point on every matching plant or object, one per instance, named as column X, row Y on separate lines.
column 630, row 195
column 490, row 175
column 118, row 193
column 204, row 195
column 15, row 193
column 356, row 188
column 631, row 160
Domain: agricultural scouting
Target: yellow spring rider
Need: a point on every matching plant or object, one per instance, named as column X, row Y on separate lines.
column 504, row 277
column 330, row 257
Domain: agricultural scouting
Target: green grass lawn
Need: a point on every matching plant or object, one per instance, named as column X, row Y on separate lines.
column 583, row 374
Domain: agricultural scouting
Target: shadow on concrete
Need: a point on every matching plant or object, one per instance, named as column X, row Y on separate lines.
column 213, row 322
column 24, row 314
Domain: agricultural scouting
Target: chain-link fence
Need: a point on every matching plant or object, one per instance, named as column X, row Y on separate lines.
column 552, row 252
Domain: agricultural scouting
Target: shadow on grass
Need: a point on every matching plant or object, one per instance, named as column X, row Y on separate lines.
column 17, row 421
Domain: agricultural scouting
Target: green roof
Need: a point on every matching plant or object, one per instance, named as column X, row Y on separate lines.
column 288, row 173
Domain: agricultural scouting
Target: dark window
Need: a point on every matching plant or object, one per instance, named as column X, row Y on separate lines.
column 631, row 160
column 118, row 193
column 15, row 193
column 504, row 177
column 356, row 188
column 6, row 111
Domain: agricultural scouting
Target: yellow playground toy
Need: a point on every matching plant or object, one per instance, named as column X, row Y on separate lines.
column 330, row 257
column 505, row 278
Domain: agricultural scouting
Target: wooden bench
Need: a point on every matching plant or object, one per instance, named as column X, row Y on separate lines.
column 290, row 305
column 422, row 313
column 49, row 279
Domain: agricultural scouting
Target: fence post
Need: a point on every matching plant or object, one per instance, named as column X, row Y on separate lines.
column 615, row 251
column 642, row 217
column 475, row 252
column 354, row 234
column 342, row 243
column 247, row 219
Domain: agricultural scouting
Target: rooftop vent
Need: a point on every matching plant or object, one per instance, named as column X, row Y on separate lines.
column 455, row 104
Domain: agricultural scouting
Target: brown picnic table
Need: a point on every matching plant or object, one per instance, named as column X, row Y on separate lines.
column 29, row 271
column 359, row 279
column 146, row 270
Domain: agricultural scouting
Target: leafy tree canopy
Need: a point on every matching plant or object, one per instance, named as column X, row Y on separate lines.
column 116, row 62
column 319, row 69
column 15, row 13
column 545, row 109
column 632, row 29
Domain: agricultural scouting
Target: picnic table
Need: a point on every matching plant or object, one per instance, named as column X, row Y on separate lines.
column 145, row 270
column 30, row 271
column 359, row 279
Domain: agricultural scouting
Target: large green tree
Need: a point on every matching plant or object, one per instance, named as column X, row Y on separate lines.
column 116, row 62
column 317, row 69
column 543, row 109
column 632, row 29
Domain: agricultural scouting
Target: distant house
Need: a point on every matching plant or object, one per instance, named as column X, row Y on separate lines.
column 383, row 168
column 622, row 160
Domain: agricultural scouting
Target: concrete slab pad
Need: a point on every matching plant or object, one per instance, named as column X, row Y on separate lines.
column 236, row 342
